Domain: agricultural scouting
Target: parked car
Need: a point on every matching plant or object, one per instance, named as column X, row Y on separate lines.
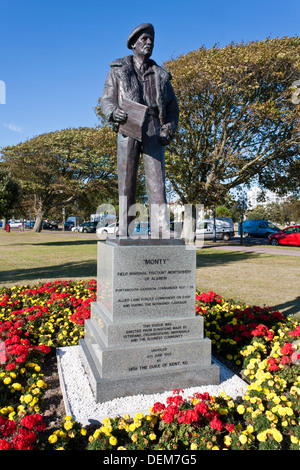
column 111, row 228
column 15, row 223
column 49, row 226
column 142, row 228
column 88, row 227
column 68, row 225
column 287, row 236
column 258, row 228
column 224, row 228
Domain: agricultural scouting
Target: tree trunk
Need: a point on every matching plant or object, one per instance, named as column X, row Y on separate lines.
column 39, row 214
column 4, row 223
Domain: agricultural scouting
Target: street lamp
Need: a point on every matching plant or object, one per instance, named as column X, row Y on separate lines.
column 214, row 226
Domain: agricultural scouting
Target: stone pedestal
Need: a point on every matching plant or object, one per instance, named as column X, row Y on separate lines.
column 143, row 336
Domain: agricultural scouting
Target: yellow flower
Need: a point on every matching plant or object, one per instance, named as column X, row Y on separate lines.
column 152, row 436
column 194, row 446
column 52, row 439
column 243, row 439
column 227, row 440
column 28, row 398
column 277, row 435
column 240, row 409
column 41, row 384
column 7, row 380
column 121, row 448
column 83, row 431
column 68, row 425
column 132, row 427
column 17, row 386
column 113, row 441
column 294, row 440
column 261, row 437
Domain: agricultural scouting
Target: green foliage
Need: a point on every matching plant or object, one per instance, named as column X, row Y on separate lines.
column 56, row 168
column 10, row 192
column 237, row 118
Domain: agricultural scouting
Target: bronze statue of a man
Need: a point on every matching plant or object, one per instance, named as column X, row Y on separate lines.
column 139, row 79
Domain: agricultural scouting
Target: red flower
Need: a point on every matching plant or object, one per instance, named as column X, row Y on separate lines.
column 216, row 423
column 287, row 348
column 201, row 407
column 229, row 427
column 4, row 445
column 285, row 360
column 272, row 364
column 34, row 422
column 296, row 332
column 158, row 407
column 44, row 349
column 7, row 427
column 24, row 440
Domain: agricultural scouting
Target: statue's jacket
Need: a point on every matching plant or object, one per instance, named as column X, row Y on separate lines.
column 122, row 82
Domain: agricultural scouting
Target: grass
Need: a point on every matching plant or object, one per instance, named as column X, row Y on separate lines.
column 29, row 257
column 256, row 278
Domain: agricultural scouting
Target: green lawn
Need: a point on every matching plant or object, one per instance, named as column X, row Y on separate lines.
column 256, row 278
column 29, row 257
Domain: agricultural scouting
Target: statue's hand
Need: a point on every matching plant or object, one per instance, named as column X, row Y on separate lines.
column 119, row 115
column 164, row 136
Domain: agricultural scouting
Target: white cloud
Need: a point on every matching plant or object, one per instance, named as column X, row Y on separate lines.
column 13, row 127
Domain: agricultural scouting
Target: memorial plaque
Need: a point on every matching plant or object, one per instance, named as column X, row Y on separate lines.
column 142, row 281
column 145, row 331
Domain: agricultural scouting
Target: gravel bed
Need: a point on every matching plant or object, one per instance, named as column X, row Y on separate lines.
column 80, row 404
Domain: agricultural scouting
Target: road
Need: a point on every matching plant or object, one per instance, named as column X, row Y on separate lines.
column 255, row 245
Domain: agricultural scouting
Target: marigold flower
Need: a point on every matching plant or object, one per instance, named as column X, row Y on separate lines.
column 113, row 441
column 52, row 439
column 240, row 409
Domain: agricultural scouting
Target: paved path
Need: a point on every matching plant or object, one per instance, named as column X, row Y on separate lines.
column 254, row 249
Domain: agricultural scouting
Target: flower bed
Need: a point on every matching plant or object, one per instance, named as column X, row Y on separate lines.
column 262, row 343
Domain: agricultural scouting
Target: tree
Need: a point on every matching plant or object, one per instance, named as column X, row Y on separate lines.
column 237, row 118
column 57, row 168
column 10, row 192
column 258, row 213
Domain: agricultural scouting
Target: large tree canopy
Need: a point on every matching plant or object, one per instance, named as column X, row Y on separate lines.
column 59, row 167
column 10, row 193
column 237, row 118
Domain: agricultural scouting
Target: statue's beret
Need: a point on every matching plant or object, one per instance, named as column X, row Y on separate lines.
column 145, row 27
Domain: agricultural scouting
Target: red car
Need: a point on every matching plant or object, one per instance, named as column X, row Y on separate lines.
column 287, row 236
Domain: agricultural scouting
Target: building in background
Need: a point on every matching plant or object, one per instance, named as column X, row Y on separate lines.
column 257, row 196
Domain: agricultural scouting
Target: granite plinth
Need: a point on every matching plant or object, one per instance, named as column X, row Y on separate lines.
column 143, row 335
column 146, row 281
column 145, row 331
column 108, row 389
column 144, row 240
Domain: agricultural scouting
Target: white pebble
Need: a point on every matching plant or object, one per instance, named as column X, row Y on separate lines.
column 81, row 405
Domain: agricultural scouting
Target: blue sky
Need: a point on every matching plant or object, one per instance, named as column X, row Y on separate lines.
column 55, row 54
